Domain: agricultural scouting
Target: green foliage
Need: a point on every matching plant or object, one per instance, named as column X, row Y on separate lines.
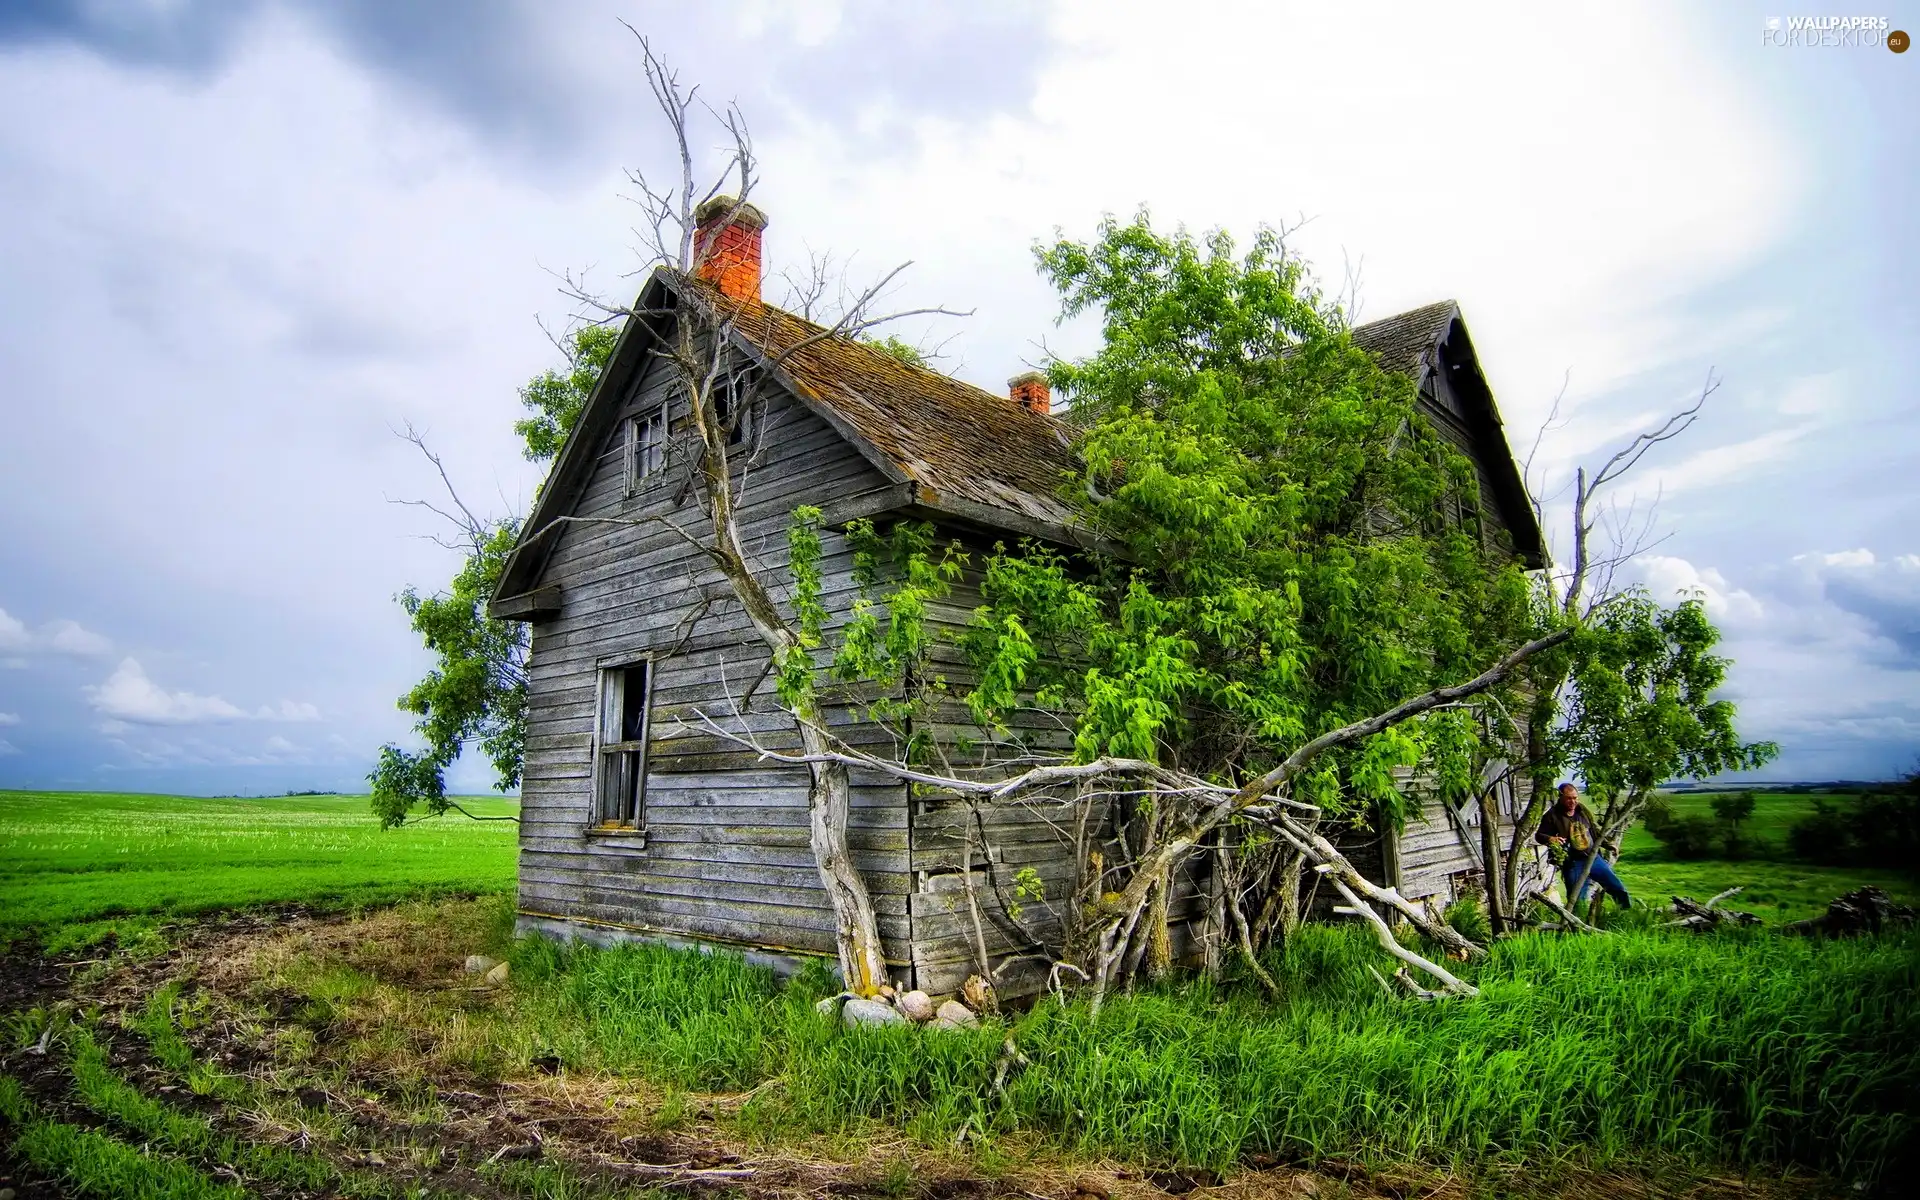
column 1640, row 1042
column 70, row 857
column 556, row 397
column 906, row 352
column 1468, row 917
column 884, row 640
column 1874, row 829
column 1642, row 707
column 1733, row 807
column 1289, row 546
column 793, row 676
column 1687, row 837
column 476, row 691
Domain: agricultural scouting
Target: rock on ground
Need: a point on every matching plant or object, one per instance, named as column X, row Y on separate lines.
column 861, row 1011
column 915, row 1006
column 955, row 1015
column 480, row 964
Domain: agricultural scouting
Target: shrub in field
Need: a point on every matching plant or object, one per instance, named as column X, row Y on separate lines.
column 1825, row 836
column 1690, row 837
column 1877, row 829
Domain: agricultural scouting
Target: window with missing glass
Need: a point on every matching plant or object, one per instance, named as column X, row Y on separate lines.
column 646, row 447
column 620, row 773
column 733, row 404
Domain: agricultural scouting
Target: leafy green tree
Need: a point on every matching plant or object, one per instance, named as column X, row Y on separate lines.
column 1277, row 558
column 476, row 690
column 1642, row 706
column 1287, row 580
column 555, row 397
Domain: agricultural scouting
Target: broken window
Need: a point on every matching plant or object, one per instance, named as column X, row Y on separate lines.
column 646, row 447
column 733, row 405
column 621, row 775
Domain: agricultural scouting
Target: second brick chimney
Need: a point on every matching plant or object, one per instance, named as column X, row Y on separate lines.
column 1029, row 389
column 727, row 252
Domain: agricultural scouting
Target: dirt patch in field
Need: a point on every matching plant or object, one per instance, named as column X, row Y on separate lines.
column 457, row 1132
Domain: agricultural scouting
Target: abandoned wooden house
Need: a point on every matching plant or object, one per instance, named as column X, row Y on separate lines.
column 636, row 823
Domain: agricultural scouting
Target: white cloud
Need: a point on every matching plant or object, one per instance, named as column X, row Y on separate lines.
column 1667, row 577
column 7, row 747
column 63, row 636
column 7, row 718
column 129, row 696
column 13, row 634
column 68, row 637
column 1844, row 558
column 1723, row 464
column 1812, row 395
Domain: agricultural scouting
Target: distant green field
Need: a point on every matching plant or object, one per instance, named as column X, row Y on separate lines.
column 1776, row 888
column 79, row 856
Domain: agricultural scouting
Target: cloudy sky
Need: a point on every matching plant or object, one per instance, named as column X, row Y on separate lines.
column 245, row 241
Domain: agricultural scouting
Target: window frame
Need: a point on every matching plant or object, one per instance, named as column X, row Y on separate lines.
column 644, row 457
column 727, row 400
column 613, row 675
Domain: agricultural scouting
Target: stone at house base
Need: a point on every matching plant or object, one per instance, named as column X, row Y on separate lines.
column 480, row 964
column 954, row 1015
column 497, row 974
column 861, row 1011
column 915, row 1006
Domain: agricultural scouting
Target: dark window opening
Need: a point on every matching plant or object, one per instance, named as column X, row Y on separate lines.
column 622, row 738
column 646, row 447
column 733, row 405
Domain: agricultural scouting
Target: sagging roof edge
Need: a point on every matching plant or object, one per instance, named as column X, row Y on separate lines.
column 1522, row 521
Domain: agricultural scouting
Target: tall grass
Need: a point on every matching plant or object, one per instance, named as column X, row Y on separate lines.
column 1753, row 1050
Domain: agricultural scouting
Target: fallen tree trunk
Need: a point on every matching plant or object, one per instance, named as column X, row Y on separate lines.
column 1864, row 910
column 1695, row 915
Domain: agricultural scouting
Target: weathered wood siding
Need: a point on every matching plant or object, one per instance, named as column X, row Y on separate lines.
column 1021, row 933
column 1438, row 854
column 1452, row 416
column 725, row 855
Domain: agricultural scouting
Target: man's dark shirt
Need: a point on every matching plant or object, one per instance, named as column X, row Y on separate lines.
column 1557, row 824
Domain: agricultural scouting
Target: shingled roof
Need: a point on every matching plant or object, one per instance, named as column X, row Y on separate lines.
column 959, row 451
column 954, row 442
column 1403, row 341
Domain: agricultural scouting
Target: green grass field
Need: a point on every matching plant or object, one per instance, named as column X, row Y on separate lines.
column 1776, row 888
column 79, row 856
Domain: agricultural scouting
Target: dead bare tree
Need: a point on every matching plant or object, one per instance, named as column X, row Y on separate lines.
column 1576, row 593
column 1119, row 932
column 684, row 222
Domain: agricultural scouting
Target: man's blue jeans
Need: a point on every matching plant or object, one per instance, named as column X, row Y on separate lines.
column 1601, row 874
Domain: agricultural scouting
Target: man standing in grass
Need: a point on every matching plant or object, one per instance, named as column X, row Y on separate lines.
column 1569, row 826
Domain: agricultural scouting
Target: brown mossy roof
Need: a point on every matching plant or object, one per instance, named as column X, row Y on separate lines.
column 1400, row 342
column 950, row 438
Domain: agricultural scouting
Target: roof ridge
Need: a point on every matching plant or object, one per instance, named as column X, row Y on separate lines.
column 892, row 361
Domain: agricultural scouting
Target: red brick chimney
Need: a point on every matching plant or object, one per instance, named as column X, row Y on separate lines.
column 1029, row 388
column 727, row 253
